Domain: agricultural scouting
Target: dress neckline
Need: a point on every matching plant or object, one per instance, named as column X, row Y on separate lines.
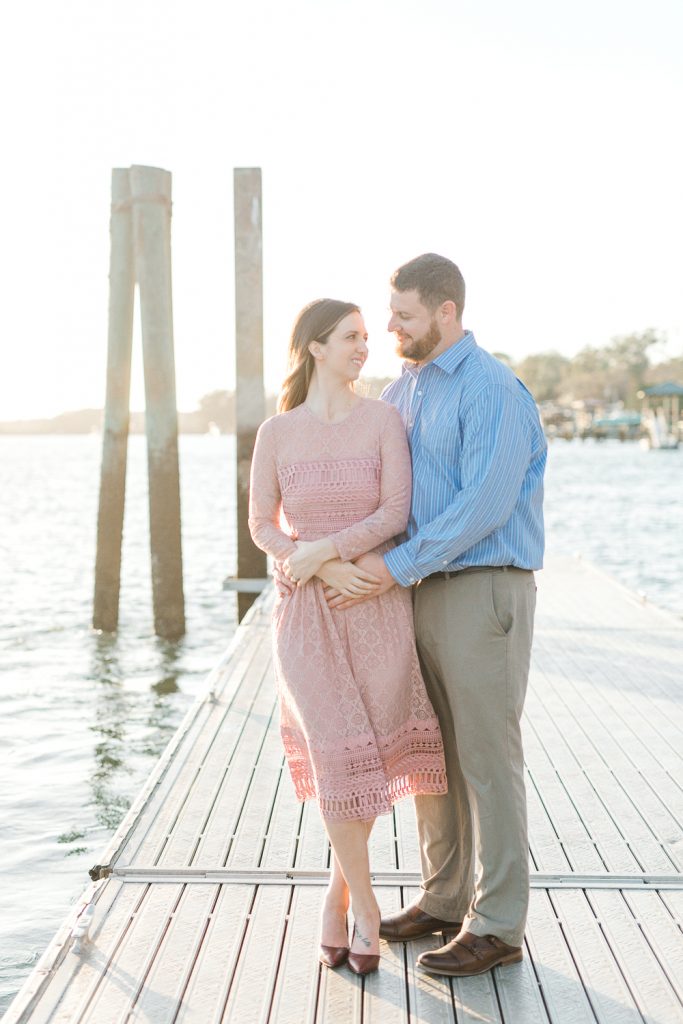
column 333, row 423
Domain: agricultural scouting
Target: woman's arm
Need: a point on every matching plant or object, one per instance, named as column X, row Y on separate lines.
column 265, row 500
column 388, row 519
column 391, row 515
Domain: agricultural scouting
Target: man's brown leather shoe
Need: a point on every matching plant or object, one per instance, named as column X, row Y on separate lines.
column 468, row 954
column 413, row 923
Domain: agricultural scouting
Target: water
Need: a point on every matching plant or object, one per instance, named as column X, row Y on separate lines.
column 85, row 716
column 620, row 506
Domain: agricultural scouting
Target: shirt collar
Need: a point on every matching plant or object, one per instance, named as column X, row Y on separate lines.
column 448, row 360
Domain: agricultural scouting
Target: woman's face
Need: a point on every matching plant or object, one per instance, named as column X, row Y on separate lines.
column 346, row 349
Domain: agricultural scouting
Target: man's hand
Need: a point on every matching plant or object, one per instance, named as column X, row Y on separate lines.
column 373, row 564
column 347, row 579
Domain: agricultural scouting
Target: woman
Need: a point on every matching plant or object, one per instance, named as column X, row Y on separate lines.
column 331, row 480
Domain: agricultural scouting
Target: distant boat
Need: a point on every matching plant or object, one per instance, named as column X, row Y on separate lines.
column 658, row 436
column 662, row 426
column 213, row 430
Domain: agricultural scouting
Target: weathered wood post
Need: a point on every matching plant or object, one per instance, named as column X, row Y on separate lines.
column 116, row 418
column 151, row 197
column 250, row 403
column 141, row 250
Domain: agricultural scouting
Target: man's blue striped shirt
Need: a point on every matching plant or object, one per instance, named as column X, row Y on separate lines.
column 478, row 453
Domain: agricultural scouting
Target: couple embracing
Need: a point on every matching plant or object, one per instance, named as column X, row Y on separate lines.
column 405, row 532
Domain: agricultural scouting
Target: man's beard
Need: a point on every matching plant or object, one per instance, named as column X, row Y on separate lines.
column 418, row 349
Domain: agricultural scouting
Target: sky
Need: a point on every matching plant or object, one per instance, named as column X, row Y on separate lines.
column 536, row 144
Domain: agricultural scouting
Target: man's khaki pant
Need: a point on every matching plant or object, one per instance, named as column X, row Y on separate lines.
column 474, row 635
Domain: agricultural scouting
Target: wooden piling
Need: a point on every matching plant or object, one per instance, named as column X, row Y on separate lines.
column 250, row 405
column 151, row 198
column 117, row 412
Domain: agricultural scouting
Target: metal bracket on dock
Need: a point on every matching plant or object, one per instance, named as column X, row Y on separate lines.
column 99, row 871
column 295, row 876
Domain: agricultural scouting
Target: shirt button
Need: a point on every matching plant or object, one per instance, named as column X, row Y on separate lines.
column 445, row 563
column 420, row 393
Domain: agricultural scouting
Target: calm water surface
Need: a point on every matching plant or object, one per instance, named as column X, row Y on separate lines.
column 85, row 716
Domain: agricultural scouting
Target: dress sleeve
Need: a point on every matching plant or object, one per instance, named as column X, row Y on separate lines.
column 391, row 516
column 265, row 500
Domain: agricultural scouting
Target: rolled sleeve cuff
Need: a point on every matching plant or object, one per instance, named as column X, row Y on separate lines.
column 400, row 566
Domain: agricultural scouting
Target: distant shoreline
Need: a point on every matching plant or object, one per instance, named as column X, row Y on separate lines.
column 91, row 421
column 97, row 433
column 46, row 428
column 216, row 414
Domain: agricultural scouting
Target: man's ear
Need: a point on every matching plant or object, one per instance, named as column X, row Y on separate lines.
column 448, row 312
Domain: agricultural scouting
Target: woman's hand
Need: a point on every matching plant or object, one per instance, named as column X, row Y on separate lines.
column 304, row 563
column 283, row 586
column 348, row 580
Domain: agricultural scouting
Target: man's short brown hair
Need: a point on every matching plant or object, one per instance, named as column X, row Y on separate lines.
column 435, row 279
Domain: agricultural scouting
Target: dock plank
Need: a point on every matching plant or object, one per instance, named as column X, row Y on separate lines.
column 257, row 808
column 296, row 993
column 157, row 817
column 213, row 970
column 217, row 792
column 170, row 971
column 618, row 780
column 600, row 972
column 655, row 997
column 559, row 981
column 124, row 977
column 252, row 990
column 340, row 997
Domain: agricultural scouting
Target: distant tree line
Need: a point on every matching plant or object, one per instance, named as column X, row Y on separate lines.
column 614, row 373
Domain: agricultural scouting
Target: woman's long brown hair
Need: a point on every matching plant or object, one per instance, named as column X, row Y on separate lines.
column 315, row 322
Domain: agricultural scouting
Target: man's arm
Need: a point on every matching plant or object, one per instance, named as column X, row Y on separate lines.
column 371, row 563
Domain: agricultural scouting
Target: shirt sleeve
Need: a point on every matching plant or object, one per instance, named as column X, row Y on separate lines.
column 496, row 453
column 265, row 500
column 391, row 515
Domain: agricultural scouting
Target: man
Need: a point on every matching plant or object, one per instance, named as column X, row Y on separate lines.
column 474, row 537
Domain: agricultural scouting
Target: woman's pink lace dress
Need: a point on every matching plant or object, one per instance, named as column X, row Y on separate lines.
column 357, row 725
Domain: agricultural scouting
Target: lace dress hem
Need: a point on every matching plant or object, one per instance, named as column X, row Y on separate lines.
column 366, row 778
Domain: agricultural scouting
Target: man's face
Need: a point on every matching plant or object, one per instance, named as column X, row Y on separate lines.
column 415, row 327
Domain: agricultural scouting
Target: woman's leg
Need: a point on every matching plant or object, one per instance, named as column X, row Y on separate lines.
column 335, row 907
column 349, row 841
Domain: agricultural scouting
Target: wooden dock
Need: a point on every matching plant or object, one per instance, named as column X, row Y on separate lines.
column 209, row 908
